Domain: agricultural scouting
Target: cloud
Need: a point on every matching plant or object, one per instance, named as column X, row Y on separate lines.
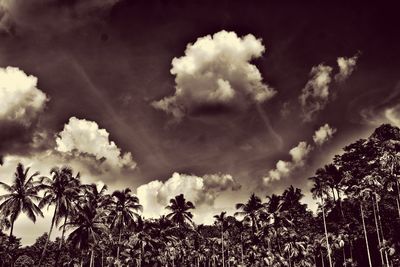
column 6, row 23
column 299, row 155
column 22, row 103
column 346, row 67
column 155, row 195
column 83, row 138
column 323, row 134
column 315, row 94
column 21, row 100
column 56, row 15
column 215, row 73
column 283, row 169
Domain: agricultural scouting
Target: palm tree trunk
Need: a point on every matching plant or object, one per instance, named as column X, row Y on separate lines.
column 365, row 235
column 119, row 241
column 322, row 260
column 63, row 230
column 12, row 228
column 241, row 248
column 377, row 232
column 91, row 258
column 381, row 228
column 222, row 247
column 326, row 233
column 48, row 236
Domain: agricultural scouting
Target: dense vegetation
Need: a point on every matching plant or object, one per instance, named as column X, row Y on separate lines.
column 356, row 224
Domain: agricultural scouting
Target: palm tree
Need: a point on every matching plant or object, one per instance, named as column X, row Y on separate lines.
column 61, row 191
column 319, row 190
column 179, row 208
column 88, row 227
column 20, row 196
column 250, row 210
column 222, row 222
column 124, row 207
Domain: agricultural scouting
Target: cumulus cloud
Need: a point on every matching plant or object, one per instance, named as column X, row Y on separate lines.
column 155, row 195
column 21, row 100
column 216, row 72
column 315, row 94
column 346, row 67
column 84, row 138
column 283, row 169
column 299, row 155
column 323, row 134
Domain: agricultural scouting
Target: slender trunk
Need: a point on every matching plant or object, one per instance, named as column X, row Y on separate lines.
column 377, row 232
column 381, row 228
column 102, row 258
column 222, row 247
column 119, row 241
column 322, row 260
column 241, row 248
column 351, row 250
column 63, row 230
column 48, row 236
column 366, row 235
column 12, row 228
column 398, row 191
column 91, row 258
column 326, row 234
column 344, row 256
column 340, row 203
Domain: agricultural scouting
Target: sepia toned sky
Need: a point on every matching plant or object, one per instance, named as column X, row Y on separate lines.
column 214, row 100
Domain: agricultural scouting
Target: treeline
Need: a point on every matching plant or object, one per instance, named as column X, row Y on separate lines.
column 357, row 223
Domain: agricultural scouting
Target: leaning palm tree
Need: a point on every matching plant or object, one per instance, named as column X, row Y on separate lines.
column 250, row 210
column 20, row 196
column 179, row 208
column 124, row 212
column 61, row 191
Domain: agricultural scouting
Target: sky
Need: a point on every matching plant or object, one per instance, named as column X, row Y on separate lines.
column 213, row 100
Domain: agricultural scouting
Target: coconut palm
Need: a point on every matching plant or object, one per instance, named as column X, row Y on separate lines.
column 20, row 196
column 88, row 228
column 124, row 211
column 180, row 210
column 250, row 210
column 60, row 191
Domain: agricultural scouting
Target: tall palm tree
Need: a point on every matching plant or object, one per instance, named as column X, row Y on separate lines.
column 222, row 222
column 125, row 208
column 88, row 227
column 20, row 196
column 250, row 210
column 179, row 208
column 319, row 190
column 60, row 191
